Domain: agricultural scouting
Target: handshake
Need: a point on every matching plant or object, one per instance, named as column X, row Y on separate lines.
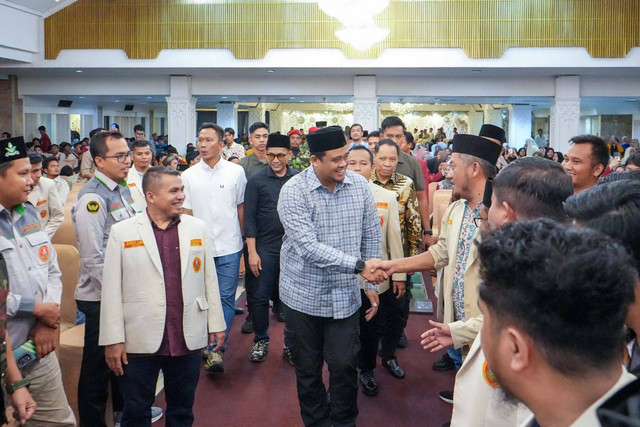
column 377, row 271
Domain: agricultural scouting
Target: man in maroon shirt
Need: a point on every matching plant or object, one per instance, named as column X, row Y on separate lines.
column 45, row 142
column 160, row 297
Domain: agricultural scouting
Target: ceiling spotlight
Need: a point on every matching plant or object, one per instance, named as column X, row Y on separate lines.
column 271, row 71
column 81, row 97
column 79, row 71
column 223, row 97
column 117, row 100
column 149, row 97
column 632, row 99
column 292, row 97
column 476, row 71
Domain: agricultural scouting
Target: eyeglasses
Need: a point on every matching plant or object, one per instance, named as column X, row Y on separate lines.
column 280, row 156
column 121, row 158
column 478, row 221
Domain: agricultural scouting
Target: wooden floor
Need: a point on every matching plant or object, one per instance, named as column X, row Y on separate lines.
column 264, row 394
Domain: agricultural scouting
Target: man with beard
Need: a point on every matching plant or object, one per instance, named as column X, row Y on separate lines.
column 553, row 336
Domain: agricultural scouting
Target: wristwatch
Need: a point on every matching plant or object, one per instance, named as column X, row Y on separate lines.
column 427, row 232
column 360, row 266
column 11, row 388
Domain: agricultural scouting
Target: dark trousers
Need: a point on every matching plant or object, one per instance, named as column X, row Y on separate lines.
column 392, row 322
column 336, row 341
column 95, row 375
column 249, row 282
column 369, row 335
column 264, row 288
column 181, row 374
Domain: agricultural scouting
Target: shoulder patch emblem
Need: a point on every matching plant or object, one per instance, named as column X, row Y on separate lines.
column 197, row 264
column 93, row 207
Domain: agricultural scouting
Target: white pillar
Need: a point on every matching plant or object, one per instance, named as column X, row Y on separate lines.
column 275, row 122
column 519, row 125
column 635, row 130
column 256, row 114
column 565, row 112
column 181, row 109
column 365, row 102
column 227, row 116
column 492, row 116
column 62, row 130
column 476, row 120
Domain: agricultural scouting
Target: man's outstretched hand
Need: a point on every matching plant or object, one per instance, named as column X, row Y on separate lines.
column 372, row 273
column 437, row 338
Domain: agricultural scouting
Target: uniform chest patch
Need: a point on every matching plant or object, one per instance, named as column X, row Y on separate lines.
column 43, row 213
column 41, row 202
column 197, row 264
column 133, row 244
column 93, row 207
column 196, row 242
column 382, row 205
column 43, row 253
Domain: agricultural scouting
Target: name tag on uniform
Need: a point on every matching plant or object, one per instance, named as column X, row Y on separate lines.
column 133, row 244
column 196, row 242
column 41, row 202
column 450, row 222
column 31, row 228
column 382, row 205
column 132, row 184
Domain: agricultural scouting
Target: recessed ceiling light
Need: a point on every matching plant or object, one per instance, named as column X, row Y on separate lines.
column 271, row 71
column 301, row 101
column 632, row 99
column 79, row 71
column 293, row 97
column 117, row 100
column 224, row 97
column 81, row 97
column 149, row 97
column 476, row 71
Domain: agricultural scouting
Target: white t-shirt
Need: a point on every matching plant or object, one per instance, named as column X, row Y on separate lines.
column 213, row 194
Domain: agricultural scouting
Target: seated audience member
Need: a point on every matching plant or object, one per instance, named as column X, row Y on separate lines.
column 447, row 182
column 612, row 208
column 171, row 162
column 54, row 151
column 38, row 149
column 585, row 161
column 552, row 336
column 68, row 156
column 69, row 175
column 192, row 157
column 145, row 337
column 5, row 135
column 522, row 152
column 51, row 167
column 633, row 162
column 234, row 159
column 44, row 197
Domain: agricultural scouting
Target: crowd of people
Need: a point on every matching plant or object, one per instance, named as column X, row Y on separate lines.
column 535, row 262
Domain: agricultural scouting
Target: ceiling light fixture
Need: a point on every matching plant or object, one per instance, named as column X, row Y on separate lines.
column 359, row 29
column 271, row 71
column 117, row 100
column 79, row 71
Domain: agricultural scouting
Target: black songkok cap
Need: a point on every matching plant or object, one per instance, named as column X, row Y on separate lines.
column 321, row 124
column 277, row 140
column 492, row 131
column 477, row 146
column 326, row 139
column 12, row 149
column 488, row 192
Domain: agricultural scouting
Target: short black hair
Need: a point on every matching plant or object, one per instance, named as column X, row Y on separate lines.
column 215, row 127
column 611, row 208
column 375, row 134
column 47, row 160
column 619, row 176
column 35, row 158
column 6, row 135
column 389, row 142
column 232, row 157
column 257, row 125
column 392, row 121
column 633, row 159
column 170, row 149
column 154, row 175
column 534, row 187
column 42, row 128
column 191, row 155
column 557, row 285
column 141, row 143
column 230, row 130
column 138, row 127
column 409, row 137
column 599, row 149
column 362, row 148
column 66, row 171
column 98, row 145
column 64, row 144
column 96, row 130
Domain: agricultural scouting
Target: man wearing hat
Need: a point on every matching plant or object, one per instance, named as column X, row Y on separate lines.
column 33, row 301
column 263, row 231
column 300, row 151
column 473, row 162
column 331, row 227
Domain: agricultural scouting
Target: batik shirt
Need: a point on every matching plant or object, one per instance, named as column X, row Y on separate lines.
column 467, row 231
column 302, row 160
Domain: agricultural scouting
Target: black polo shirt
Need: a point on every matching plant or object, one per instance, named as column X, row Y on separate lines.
column 261, row 218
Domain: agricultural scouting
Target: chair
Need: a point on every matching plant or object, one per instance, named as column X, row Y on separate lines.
column 66, row 233
column 69, row 262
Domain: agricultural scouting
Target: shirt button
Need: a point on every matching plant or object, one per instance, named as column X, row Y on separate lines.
column 161, row 304
column 161, row 283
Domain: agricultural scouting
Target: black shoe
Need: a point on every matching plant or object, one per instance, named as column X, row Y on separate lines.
column 288, row 356
column 404, row 342
column 393, row 368
column 239, row 310
column 247, row 327
column 446, row 396
column 444, row 364
column 278, row 314
column 368, row 382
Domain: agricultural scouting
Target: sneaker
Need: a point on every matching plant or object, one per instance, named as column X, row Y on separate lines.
column 247, row 327
column 288, row 356
column 156, row 414
column 259, row 351
column 446, row 396
column 368, row 382
column 214, row 363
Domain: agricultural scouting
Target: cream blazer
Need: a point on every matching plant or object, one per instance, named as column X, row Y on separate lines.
column 44, row 197
column 134, row 181
column 476, row 403
column 133, row 308
column 444, row 253
column 387, row 206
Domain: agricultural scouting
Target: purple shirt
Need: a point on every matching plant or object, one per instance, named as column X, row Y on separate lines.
column 173, row 343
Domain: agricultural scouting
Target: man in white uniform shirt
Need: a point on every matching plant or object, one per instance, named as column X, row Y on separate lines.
column 44, row 197
column 51, row 168
column 142, row 154
column 214, row 193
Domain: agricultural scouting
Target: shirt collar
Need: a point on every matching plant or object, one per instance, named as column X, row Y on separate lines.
column 393, row 179
column 19, row 209
column 270, row 173
column 108, row 182
column 218, row 165
column 313, row 182
column 174, row 221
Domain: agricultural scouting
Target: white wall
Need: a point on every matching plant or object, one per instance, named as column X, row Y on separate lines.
column 20, row 36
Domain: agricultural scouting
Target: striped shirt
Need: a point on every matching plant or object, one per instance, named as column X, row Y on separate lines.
column 325, row 234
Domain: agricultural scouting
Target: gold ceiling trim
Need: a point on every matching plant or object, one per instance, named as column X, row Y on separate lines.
column 483, row 28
